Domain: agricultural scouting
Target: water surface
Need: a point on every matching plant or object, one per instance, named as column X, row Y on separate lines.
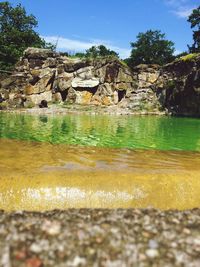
column 79, row 161
column 134, row 132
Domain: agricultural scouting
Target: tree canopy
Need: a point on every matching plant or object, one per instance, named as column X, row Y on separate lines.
column 16, row 34
column 194, row 19
column 151, row 47
column 100, row 51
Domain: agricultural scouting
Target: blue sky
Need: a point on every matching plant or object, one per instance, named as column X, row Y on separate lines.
column 79, row 24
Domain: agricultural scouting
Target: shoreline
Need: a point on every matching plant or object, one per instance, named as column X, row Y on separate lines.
column 83, row 109
column 91, row 110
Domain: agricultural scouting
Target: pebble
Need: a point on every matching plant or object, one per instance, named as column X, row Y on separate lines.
column 51, row 228
column 153, row 244
column 152, row 253
column 78, row 261
column 35, row 248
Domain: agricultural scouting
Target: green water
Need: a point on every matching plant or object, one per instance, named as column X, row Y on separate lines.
column 133, row 132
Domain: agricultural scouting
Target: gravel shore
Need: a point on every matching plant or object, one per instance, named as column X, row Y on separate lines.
column 91, row 237
column 81, row 109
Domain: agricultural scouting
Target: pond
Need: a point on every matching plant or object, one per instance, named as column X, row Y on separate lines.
column 98, row 161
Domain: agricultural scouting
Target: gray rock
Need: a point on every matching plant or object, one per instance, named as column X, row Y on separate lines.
column 81, row 83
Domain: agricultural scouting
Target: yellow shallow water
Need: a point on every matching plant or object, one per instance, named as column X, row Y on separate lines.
column 41, row 176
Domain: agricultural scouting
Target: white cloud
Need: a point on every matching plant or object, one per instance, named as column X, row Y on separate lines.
column 183, row 12
column 181, row 8
column 177, row 52
column 73, row 45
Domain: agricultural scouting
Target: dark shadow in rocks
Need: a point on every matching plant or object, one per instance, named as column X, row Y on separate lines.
column 121, row 95
column 34, row 80
column 91, row 90
column 1, row 98
column 43, row 104
column 51, row 80
column 64, row 94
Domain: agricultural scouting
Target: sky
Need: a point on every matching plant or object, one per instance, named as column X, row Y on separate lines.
column 76, row 25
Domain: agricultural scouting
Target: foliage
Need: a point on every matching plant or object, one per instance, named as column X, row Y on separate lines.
column 16, row 34
column 80, row 55
column 151, row 47
column 194, row 19
column 182, row 54
column 189, row 57
column 100, row 51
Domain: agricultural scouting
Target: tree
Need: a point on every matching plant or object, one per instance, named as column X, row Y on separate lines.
column 194, row 19
column 151, row 47
column 16, row 34
column 100, row 51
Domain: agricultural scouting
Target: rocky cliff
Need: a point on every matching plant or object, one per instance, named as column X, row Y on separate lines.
column 106, row 82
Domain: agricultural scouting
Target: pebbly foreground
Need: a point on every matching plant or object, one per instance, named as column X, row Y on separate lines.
column 92, row 237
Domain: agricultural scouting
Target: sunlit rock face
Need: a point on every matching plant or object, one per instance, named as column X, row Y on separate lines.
column 44, row 74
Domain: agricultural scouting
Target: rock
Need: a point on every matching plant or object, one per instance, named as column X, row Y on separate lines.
column 71, row 65
column 34, row 262
column 106, row 89
column 115, row 97
column 38, row 53
column 85, row 73
column 153, row 244
column 7, row 83
column 71, row 97
column 124, row 75
column 52, row 228
column 152, row 253
column 35, row 248
column 42, row 74
column 83, row 97
column 106, row 101
column 112, row 71
column 80, row 83
column 57, row 97
column 42, row 85
column 37, row 98
column 64, row 81
column 50, row 63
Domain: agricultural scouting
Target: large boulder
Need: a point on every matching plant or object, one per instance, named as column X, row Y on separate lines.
column 85, row 83
column 39, row 53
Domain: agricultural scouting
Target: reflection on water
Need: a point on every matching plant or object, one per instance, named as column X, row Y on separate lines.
column 163, row 133
column 42, row 176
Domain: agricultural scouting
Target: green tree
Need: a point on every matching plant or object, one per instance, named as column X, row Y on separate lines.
column 194, row 19
column 151, row 47
column 100, row 51
column 16, row 34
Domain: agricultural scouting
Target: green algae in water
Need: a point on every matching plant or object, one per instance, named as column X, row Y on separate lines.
column 133, row 132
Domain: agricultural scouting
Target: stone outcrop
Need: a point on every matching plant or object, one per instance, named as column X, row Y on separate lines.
column 181, row 84
column 45, row 75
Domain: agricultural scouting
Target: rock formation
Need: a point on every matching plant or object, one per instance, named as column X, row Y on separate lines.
column 45, row 75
